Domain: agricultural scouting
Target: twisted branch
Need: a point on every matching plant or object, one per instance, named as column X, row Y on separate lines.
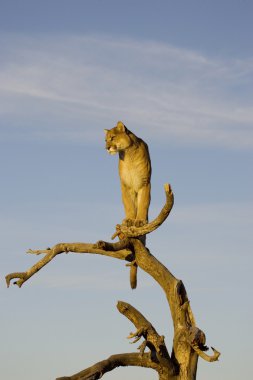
column 203, row 355
column 152, row 339
column 133, row 231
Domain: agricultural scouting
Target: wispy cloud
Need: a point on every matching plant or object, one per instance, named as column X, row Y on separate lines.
column 74, row 86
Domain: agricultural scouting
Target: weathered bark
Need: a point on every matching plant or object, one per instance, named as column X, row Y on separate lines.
column 189, row 340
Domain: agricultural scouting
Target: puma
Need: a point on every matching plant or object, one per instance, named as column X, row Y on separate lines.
column 135, row 174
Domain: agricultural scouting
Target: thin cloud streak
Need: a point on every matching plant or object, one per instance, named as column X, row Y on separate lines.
column 64, row 86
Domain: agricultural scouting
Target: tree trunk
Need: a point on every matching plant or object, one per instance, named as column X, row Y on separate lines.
column 189, row 340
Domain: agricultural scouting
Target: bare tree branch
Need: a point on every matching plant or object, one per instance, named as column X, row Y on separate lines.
column 124, row 254
column 120, row 360
column 152, row 339
column 203, row 355
column 91, row 248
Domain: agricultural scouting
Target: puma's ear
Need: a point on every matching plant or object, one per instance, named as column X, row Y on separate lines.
column 106, row 130
column 121, row 127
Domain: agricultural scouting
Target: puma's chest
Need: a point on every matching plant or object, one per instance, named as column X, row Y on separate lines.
column 133, row 173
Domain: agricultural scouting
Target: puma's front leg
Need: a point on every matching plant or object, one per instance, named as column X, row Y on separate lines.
column 143, row 201
column 129, row 201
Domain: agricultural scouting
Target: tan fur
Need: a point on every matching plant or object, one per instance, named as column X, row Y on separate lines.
column 134, row 172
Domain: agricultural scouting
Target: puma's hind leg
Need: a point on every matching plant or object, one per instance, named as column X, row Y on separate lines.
column 143, row 202
column 129, row 199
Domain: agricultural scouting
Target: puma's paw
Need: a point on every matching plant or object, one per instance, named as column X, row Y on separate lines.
column 128, row 222
column 140, row 222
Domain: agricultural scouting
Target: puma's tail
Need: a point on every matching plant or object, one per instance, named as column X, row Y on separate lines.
column 133, row 275
column 134, row 266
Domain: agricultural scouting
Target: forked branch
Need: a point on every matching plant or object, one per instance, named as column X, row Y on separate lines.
column 186, row 333
column 157, row 359
column 119, row 251
column 152, row 339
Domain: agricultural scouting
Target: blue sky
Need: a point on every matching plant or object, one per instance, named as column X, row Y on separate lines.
column 179, row 75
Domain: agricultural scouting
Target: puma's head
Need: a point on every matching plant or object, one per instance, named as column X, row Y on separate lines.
column 117, row 139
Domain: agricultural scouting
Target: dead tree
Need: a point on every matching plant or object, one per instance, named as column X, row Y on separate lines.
column 189, row 340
